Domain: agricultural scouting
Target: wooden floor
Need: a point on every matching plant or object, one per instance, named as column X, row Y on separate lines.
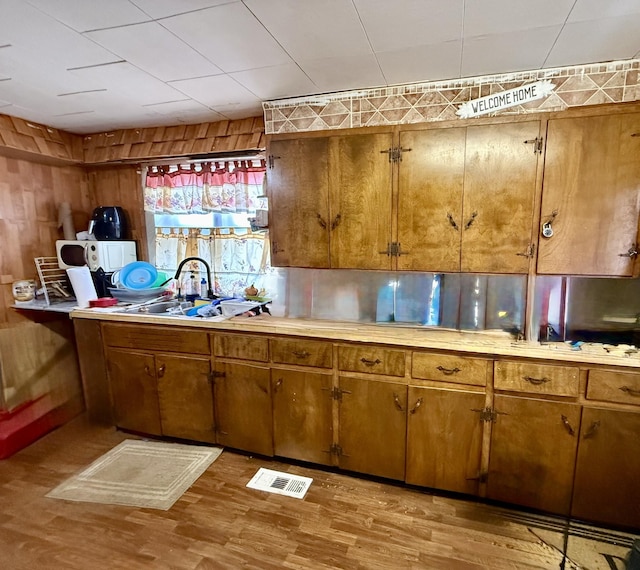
column 343, row 522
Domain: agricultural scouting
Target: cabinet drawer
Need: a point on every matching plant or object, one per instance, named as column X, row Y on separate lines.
column 156, row 338
column 450, row 368
column 536, row 378
column 373, row 360
column 612, row 386
column 303, row 352
column 244, row 347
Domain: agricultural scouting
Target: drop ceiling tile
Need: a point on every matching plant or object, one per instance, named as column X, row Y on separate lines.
column 155, row 50
column 91, row 14
column 129, row 82
column 163, row 8
column 26, row 28
column 215, row 90
column 239, row 111
column 494, row 53
column 392, row 26
column 313, row 30
column 596, row 9
column 276, row 82
column 36, row 73
column 596, row 41
column 229, row 36
column 422, row 63
column 344, row 73
column 503, row 16
column 178, row 106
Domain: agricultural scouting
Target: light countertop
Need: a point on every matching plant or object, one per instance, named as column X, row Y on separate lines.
column 484, row 343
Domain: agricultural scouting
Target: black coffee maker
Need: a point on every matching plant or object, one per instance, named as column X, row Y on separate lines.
column 108, row 223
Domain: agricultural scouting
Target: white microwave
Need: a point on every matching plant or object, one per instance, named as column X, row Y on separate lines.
column 110, row 255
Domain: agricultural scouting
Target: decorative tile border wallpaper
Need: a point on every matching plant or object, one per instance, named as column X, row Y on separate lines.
column 613, row 82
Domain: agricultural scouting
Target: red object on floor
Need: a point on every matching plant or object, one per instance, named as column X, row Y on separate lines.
column 27, row 423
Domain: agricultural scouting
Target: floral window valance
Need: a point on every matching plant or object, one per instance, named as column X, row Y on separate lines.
column 231, row 187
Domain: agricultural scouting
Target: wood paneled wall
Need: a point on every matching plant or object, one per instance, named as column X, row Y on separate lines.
column 180, row 140
column 39, row 140
column 121, row 186
column 30, row 193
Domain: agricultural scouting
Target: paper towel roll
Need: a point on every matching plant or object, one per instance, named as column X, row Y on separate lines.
column 65, row 219
column 82, row 285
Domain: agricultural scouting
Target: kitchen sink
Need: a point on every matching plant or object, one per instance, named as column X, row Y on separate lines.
column 161, row 308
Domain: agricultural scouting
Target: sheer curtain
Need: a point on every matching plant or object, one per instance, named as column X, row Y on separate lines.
column 238, row 257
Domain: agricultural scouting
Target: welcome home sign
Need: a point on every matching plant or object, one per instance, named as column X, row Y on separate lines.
column 505, row 99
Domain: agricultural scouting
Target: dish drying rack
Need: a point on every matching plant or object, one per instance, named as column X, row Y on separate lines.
column 54, row 281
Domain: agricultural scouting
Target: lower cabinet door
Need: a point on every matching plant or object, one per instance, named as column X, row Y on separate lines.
column 373, row 427
column 242, row 399
column 302, row 415
column 132, row 379
column 185, row 396
column 606, row 486
column 533, row 453
column 444, row 439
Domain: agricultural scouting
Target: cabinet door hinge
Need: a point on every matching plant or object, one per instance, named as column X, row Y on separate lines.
column 537, row 143
column 395, row 153
column 336, row 393
column 528, row 252
column 486, row 414
column 394, row 249
column 481, row 478
column 215, row 374
column 271, row 160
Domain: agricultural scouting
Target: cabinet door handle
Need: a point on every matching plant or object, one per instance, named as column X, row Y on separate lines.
column 591, row 431
column 277, row 385
column 321, row 221
column 536, row 381
column 452, row 222
column 630, row 391
column 416, row 406
column 162, row 370
column 147, row 370
column 471, row 220
column 448, row 371
column 567, row 425
column 370, row 362
column 336, row 222
column 300, row 354
column 396, row 401
column 276, row 249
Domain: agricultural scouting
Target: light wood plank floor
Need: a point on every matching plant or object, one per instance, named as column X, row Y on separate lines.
column 343, row 522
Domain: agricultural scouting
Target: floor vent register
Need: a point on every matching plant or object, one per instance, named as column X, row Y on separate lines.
column 280, row 483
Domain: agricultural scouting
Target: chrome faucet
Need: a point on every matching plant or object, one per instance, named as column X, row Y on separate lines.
column 210, row 294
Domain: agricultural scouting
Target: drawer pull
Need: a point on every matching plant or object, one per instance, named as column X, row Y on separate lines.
column 536, row 381
column 300, row 354
column 370, row 362
column 396, row 401
column 161, row 371
column 415, row 408
column 630, row 391
column 591, row 431
column 567, row 425
column 448, row 371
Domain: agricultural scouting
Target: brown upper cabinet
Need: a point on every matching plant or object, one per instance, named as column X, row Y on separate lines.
column 438, row 199
column 590, row 197
column 330, row 201
column 466, row 198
